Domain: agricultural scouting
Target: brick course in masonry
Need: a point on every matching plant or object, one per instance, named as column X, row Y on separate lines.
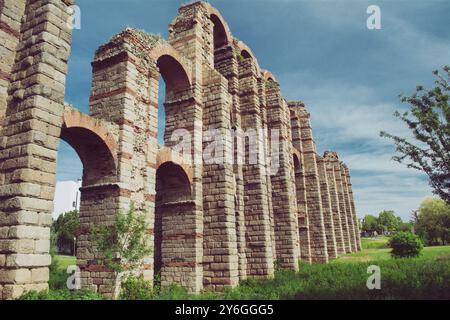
column 212, row 223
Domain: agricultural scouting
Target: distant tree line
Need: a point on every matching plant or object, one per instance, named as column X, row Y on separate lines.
column 385, row 223
column 431, row 222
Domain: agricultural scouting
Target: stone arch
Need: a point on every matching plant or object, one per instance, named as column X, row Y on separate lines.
column 173, row 183
column 222, row 34
column 245, row 54
column 98, row 150
column 268, row 76
column 176, row 72
column 296, row 154
column 166, row 155
column 174, row 68
column 94, row 144
column 243, row 48
column 174, row 229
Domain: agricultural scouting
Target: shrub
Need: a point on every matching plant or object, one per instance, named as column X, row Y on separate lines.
column 125, row 242
column 405, row 245
column 136, row 288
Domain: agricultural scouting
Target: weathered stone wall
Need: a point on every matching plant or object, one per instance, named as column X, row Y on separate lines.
column 212, row 222
column 35, row 45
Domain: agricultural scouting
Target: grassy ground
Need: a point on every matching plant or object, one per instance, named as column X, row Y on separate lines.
column 424, row 277
column 375, row 243
column 375, row 255
column 377, row 250
column 65, row 261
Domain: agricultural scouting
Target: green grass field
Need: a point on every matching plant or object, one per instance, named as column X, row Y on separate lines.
column 377, row 250
column 65, row 261
column 424, row 277
column 375, row 243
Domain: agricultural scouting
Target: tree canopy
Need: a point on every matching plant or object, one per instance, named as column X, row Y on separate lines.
column 386, row 221
column 429, row 121
column 65, row 230
column 433, row 221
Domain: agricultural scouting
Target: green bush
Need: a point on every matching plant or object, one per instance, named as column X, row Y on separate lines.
column 405, row 245
column 136, row 288
column 61, row 295
column 125, row 242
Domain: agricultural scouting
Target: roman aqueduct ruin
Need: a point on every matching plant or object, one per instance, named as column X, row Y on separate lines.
column 212, row 224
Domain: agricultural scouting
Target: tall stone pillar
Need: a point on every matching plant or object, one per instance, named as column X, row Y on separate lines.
column 353, row 209
column 220, row 260
column 284, row 201
column 125, row 92
column 29, row 137
column 260, row 257
column 342, row 207
column 319, row 251
column 300, row 182
column 327, row 209
column 267, row 152
column 11, row 13
column 226, row 62
column 330, row 158
column 349, row 211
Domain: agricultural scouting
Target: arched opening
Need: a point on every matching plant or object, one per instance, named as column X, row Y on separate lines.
column 97, row 159
column 66, row 203
column 174, row 90
column 173, row 226
column 161, row 111
column 96, row 150
column 219, row 33
column 222, row 51
column 245, row 54
column 174, row 76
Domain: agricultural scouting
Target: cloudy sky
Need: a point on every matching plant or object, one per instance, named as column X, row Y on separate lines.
column 322, row 53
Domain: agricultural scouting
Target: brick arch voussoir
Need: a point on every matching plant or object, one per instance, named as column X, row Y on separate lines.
column 267, row 75
column 296, row 153
column 213, row 11
column 162, row 48
column 166, row 155
column 243, row 47
column 76, row 119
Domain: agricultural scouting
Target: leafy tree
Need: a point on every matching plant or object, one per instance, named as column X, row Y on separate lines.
column 428, row 119
column 370, row 223
column 433, row 221
column 405, row 226
column 387, row 221
column 65, row 230
column 125, row 243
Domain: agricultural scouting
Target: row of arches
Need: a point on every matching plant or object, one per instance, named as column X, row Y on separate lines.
column 174, row 204
column 97, row 150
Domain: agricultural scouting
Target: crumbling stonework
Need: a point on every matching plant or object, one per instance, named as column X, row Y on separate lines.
column 212, row 222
